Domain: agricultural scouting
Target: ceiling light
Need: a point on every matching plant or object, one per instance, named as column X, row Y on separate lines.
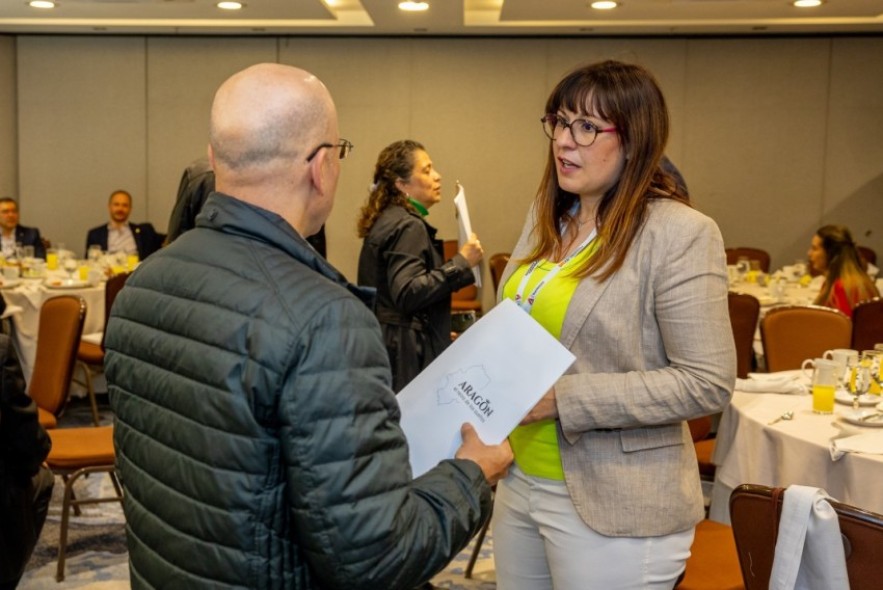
column 229, row 5
column 41, row 4
column 807, row 3
column 414, row 6
column 604, row 5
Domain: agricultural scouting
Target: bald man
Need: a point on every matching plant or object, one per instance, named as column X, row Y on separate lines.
column 256, row 433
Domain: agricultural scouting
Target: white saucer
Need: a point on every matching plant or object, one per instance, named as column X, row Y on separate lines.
column 841, row 396
column 66, row 284
column 855, row 417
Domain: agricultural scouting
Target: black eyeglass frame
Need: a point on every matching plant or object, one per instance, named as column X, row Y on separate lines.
column 345, row 147
column 558, row 119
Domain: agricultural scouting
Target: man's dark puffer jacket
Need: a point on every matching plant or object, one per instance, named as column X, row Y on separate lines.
column 256, row 433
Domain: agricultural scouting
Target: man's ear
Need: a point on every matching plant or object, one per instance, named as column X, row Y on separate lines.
column 317, row 165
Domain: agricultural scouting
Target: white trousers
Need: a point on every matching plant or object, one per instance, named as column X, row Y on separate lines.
column 541, row 543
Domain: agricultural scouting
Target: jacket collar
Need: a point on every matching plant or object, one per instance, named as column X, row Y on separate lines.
column 231, row 216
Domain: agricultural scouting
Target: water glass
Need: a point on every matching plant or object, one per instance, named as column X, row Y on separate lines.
column 94, row 253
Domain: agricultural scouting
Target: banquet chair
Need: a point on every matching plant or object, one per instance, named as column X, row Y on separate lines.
column 61, row 324
column 91, row 354
column 754, row 512
column 465, row 299
column 762, row 256
column 703, row 443
column 744, row 312
column 867, row 324
column 793, row 333
column 497, row 264
column 713, row 563
column 77, row 452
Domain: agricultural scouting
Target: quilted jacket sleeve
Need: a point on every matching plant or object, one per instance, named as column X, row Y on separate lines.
column 360, row 519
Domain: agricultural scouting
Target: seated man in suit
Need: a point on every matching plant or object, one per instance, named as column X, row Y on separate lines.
column 11, row 232
column 119, row 235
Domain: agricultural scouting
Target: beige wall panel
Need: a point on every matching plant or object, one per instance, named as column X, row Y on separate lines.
column 854, row 165
column 754, row 140
column 477, row 105
column 8, row 127
column 370, row 80
column 81, row 131
column 182, row 77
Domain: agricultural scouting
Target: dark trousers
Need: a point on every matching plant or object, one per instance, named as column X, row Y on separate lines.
column 23, row 507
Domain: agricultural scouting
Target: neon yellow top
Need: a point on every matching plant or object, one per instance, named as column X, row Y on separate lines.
column 536, row 445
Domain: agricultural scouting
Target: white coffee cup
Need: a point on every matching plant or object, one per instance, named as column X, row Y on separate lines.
column 841, row 356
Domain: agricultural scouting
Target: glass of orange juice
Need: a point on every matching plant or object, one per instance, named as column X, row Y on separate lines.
column 52, row 259
column 131, row 261
column 824, row 384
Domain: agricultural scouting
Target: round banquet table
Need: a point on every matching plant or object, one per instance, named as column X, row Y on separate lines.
column 29, row 296
column 750, row 450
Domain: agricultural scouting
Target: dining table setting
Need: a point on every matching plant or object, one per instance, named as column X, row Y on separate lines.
column 794, row 427
column 28, row 284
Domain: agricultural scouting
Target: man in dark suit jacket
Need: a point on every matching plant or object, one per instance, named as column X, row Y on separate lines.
column 119, row 235
column 13, row 233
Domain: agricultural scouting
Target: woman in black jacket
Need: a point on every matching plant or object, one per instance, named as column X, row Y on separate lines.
column 403, row 260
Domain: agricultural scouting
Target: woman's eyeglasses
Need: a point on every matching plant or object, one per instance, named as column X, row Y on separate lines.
column 583, row 132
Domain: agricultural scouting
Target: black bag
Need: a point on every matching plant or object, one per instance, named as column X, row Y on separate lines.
column 24, row 490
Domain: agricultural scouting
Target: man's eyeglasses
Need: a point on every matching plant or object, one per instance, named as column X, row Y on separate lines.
column 344, row 146
column 583, row 132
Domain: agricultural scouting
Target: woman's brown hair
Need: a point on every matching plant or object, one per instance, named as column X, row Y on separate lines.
column 395, row 162
column 629, row 97
column 844, row 263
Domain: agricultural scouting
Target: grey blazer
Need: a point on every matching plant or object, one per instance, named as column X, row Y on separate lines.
column 654, row 348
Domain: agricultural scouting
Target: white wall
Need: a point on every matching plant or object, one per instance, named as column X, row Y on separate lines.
column 775, row 136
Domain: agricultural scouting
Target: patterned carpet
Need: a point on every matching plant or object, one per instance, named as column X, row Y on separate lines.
column 96, row 548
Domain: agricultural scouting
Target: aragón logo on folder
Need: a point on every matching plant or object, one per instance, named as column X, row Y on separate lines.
column 491, row 376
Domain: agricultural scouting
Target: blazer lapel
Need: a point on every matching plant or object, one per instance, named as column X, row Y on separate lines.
column 587, row 294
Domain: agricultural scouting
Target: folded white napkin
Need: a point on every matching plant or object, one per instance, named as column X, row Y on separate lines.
column 809, row 552
column 792, row 382
column 11, row 310
column 93, row 338
column 870, row 443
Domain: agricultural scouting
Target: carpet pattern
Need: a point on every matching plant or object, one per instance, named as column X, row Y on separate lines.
column 97, row 558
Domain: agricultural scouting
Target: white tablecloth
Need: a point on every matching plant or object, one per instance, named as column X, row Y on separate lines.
column 30, row 296
column 749, row 450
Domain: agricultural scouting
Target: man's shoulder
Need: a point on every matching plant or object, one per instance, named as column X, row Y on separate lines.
column 24, row 229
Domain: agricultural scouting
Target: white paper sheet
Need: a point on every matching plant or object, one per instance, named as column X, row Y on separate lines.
column 491, row 376
column 465, row 226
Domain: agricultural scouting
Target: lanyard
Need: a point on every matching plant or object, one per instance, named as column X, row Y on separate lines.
column 527, row 304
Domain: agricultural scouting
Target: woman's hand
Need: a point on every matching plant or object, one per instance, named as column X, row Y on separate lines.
column 546, row 409
column 472, row 251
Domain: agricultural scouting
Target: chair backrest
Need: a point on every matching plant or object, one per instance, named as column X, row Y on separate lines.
column 467, row 297
column 61, row 325
column 111, row 288
column 700, row 428
column 754, row 513
column 744, row 311
column 792, row 334
column 867, row 254
column 867, row 324
column 497, row 264
column 733, row 255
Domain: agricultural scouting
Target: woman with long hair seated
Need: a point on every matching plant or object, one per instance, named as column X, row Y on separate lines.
column 833, row 253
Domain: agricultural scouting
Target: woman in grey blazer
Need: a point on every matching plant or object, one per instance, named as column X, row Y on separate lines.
column 615, row 263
